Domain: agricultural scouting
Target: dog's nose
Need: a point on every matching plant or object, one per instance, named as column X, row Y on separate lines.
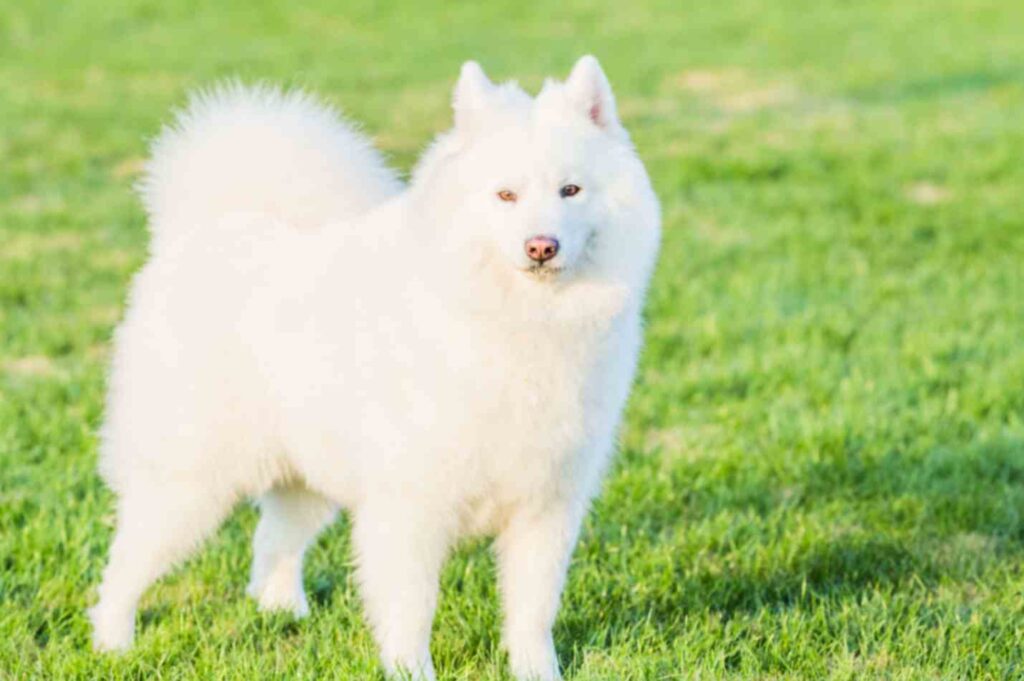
column 541, row 248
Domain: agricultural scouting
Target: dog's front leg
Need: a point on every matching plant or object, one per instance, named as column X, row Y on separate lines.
column 399, row 553
column 533, row 557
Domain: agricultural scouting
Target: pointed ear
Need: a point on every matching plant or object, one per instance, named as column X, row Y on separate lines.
column 471, row 94
column 590, row 93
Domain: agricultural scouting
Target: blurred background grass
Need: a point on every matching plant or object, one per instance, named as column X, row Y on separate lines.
column 822, row 472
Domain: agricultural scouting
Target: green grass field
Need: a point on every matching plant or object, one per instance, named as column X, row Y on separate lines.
column 822, row 467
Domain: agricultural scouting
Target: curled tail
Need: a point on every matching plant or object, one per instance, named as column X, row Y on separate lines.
column 260, row 149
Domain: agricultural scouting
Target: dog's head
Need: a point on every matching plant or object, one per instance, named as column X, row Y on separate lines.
column 544, row 191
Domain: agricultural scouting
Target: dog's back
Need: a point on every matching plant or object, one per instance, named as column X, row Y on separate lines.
column 240, row 175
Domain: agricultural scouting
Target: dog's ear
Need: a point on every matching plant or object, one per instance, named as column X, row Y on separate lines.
column 591, row 94
column 471, row 95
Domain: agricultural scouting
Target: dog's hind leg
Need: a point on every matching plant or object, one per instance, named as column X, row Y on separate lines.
column 157, row 526
column 290, row 519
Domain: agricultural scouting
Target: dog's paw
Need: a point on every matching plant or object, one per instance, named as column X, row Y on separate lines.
column 112, row 631
column 422, row 670
column 533, row 658
column 278, row 594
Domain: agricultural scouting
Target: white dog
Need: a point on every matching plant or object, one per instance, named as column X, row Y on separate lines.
column 445, row 359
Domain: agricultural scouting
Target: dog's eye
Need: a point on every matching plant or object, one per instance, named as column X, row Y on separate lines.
column 569, row 190
column 507, row 195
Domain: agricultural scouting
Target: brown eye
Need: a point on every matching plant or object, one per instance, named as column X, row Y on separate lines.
column 569, row 190
column 507, row 195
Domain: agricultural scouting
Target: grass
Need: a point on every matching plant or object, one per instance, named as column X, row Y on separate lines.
column 822, row 468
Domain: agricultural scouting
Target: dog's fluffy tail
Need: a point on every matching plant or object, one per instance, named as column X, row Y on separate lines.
column 263, row 150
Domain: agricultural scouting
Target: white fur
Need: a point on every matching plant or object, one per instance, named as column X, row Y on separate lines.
column 307, row 333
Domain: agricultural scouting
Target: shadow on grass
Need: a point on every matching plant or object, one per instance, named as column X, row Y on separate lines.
column 836, row 528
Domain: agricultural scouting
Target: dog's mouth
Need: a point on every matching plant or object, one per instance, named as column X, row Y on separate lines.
column 545, row 270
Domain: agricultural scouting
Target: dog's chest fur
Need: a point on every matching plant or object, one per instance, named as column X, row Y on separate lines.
column 534, row 415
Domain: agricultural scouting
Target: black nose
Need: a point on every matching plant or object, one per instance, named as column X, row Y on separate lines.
column 541, row 248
